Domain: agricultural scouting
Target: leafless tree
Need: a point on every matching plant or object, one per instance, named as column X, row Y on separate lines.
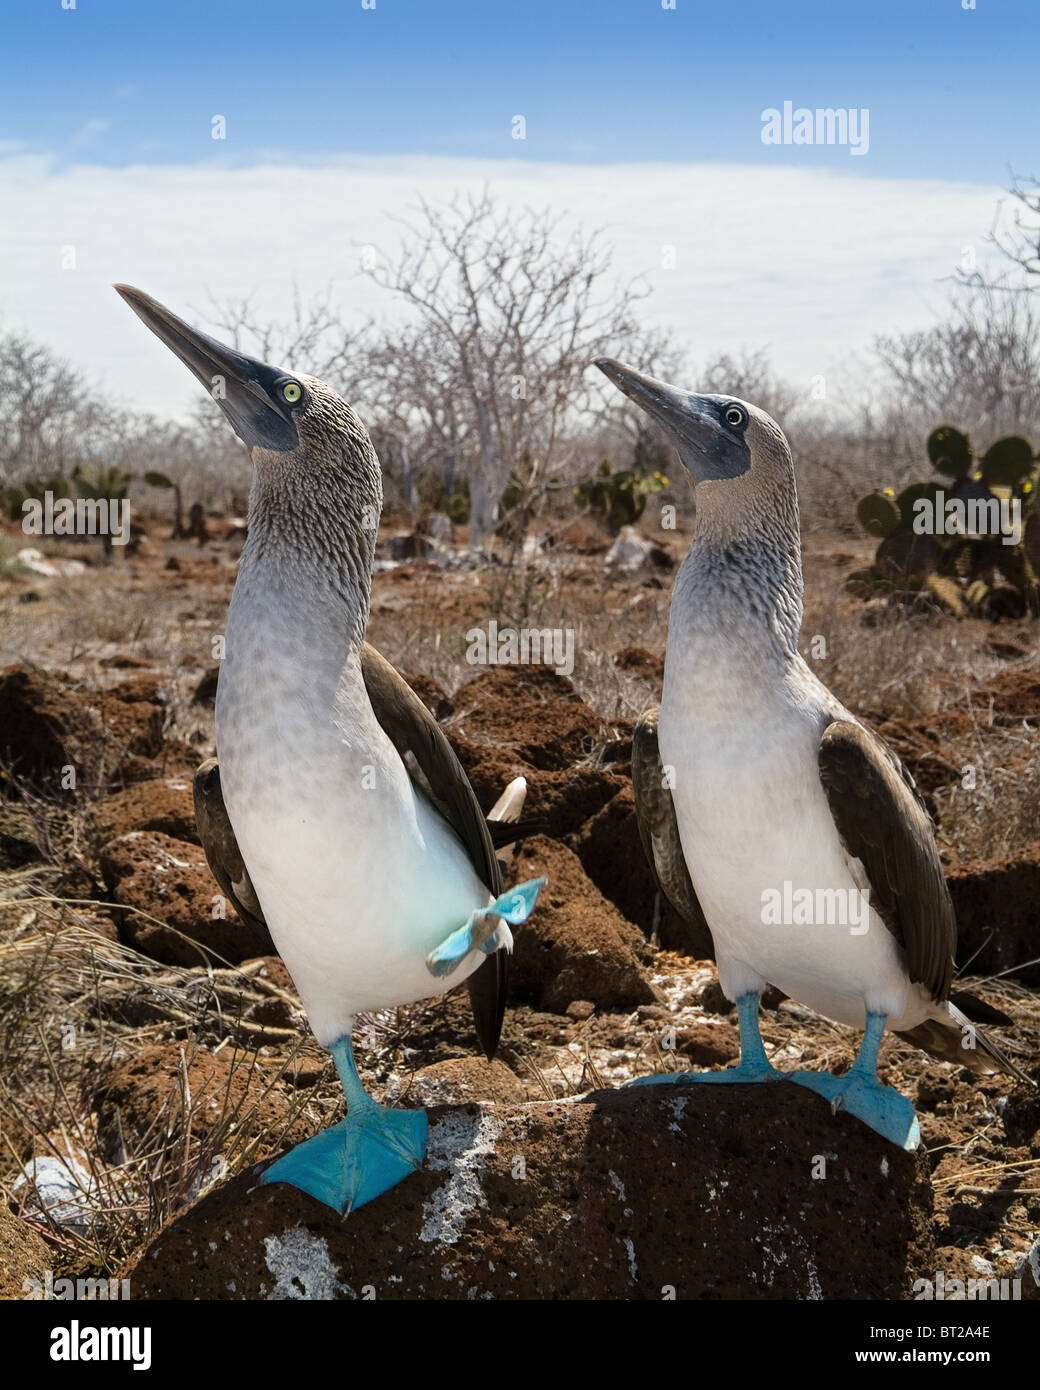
column 509, row 310
column 50, row 416
column 979, row 369
column 486, row 377
column 1015, row 233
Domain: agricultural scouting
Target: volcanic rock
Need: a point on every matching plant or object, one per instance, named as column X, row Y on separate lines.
column 612, row 855
column 998, row 914
column 163, row 804
column 531, row 711
column 169, row 881
column 48, row 726
column 575, row 945
column 649, row 1193
column 152, row 1094
column 458, row 1081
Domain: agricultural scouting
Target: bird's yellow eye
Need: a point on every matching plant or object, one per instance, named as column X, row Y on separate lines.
column 291, row 392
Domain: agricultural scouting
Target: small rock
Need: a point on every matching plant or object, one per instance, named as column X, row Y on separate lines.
column 404, row 546
column 647, row 1013
column 37, row 563
column 205, row 693
column 712, row 1000
column 1028, row 1270
column 48, row 725
column 580, row 1009
column 432, row 696
column 640, row 662
column 630, row 553
column 998, row 924
column 126, row 661
column 142, row 688
column 610, row 851
column 18, row 845
column 1021, row 1115
column 60, row 1186
column 275, row 1013
column 708, row 1045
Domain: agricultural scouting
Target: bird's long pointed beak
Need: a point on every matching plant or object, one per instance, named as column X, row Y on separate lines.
column 679, row 412
column 708, row 451
column 246, row 390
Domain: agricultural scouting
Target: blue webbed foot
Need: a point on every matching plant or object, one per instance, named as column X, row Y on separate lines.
column 881, row 1108
column 356, row 1160
column 484, row 930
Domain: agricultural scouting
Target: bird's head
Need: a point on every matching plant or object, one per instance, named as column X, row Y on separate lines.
column 311, row 452
column 746, row 547
column 732, row 450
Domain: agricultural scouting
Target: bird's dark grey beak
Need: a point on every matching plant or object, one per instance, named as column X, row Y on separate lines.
column 247, row 391
column 679, row 412
column 694, row 424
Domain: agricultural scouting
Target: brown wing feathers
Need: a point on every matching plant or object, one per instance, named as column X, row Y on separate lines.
column 882, row 824
column 659, row 829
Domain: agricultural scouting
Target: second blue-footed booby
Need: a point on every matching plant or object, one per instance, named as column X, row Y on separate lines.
column 339, row 813
column 757, row 788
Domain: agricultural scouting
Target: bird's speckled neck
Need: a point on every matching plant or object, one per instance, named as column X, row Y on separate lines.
column 742, row 578
column 313, row 520
column 309, row 554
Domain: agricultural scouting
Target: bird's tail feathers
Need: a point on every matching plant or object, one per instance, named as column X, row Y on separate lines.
column 976, row 1010
column 953, row 1037
column 511, row 802
column 504, row 821
column 508, row 832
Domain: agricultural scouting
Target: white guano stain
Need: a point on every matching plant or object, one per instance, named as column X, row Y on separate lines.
column 302, row 1267
column 458, row 1144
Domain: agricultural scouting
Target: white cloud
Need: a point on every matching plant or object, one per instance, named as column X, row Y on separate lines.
column 808, row 263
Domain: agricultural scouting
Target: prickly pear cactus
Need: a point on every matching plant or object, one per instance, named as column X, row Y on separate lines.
column 949, row 451
column 878, row 514
column 618, row 498
column 968, row 540
column 1009, row 462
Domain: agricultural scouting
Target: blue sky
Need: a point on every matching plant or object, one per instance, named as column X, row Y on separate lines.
column 951, row 92
column 641, row 120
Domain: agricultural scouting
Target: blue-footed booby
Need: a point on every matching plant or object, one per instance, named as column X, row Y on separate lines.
column 339, row 813
column 755, row 787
